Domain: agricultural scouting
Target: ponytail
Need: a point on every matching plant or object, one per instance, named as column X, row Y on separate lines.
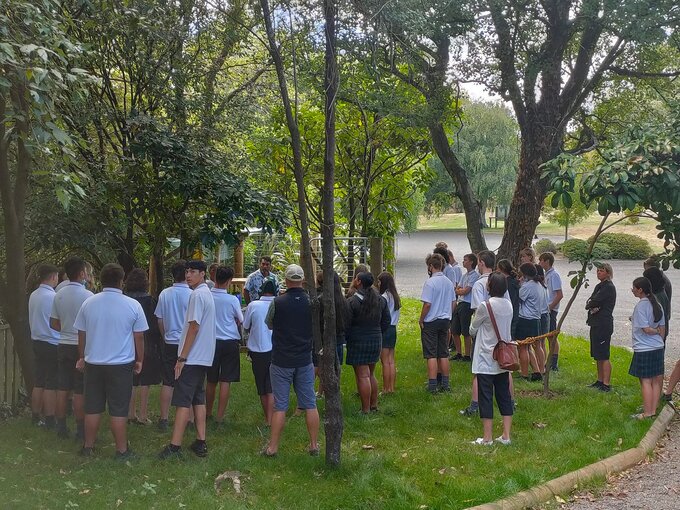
column 645, row 286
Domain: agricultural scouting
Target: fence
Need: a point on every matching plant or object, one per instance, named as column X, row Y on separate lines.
column 10, row 370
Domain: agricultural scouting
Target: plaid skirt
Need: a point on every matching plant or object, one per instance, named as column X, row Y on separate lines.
column 389, row 339
column 363, row 346
column 647, row 364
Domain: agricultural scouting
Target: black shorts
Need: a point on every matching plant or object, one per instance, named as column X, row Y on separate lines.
column 189, row 389
column 46, row 366
column 168, row 362
column 434, row 337
column 68, row 377
column 226, row 365
column 110, row 384
column 462, row 316
column 498, row 384
column 553, row 320
column 261, row 362
column 600, row 341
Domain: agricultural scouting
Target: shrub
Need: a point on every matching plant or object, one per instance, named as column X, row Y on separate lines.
column 626, row 246
column 545, row 245
column 576, row 249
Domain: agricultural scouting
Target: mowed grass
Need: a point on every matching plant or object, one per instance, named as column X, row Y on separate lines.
column 416, row 451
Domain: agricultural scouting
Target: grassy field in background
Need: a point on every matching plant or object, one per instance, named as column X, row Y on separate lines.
column 645, row 228
column 414, row 453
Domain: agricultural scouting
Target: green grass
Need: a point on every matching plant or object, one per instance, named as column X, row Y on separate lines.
column 421, row 453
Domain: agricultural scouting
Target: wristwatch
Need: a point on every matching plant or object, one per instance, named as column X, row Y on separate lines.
column 181, row 360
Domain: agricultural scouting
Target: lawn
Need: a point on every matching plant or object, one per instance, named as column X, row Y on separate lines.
column 645, row 228
column 414, row 453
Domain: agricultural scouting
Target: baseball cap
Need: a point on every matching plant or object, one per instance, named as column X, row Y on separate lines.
column 294, row 273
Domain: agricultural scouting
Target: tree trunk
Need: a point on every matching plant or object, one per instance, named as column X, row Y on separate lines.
column 377, row 256
column 527, row 201
column 330, row 366
column 471, row 205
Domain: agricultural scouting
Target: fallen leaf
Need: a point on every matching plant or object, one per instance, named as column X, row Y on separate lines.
column 540, row 425
column 84, row 491
column 619, row 442
column 119, row 502
column 559, row 500
column 442, row 471
column 404, row 455
column 367, row 447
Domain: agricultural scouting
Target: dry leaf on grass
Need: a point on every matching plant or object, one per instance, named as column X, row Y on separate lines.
column 367, row 447
column 234, row 476
column 540, row 425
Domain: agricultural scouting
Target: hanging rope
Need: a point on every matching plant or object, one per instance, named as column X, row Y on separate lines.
column 532, row 339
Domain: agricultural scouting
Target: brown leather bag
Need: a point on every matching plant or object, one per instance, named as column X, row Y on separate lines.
column 505, row 353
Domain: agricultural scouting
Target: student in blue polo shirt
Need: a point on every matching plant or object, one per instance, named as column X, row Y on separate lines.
column 111, row 347
column 195, row 355
column 45, row 341
column 555, row 295
column 226, row 366
column 171, row 312
column 65, row 307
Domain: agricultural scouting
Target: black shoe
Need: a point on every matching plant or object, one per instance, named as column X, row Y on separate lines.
column 199, row 448
column 125, row 456
column 466, row 358
column 666, row 398
column 555, row 368
column 444, row 389
column 605, row 388
column 469, row 411
column 536, row 376
column 456, row 357
column 163, row 425
column 595, row 385
column 87, row 451
column 170, row 453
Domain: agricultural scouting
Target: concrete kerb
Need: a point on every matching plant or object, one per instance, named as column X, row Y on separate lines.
column 566, row 483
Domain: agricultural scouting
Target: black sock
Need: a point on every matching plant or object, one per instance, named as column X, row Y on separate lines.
column 554, row 360
column 474, row 404
column 200, row 441
column 80, row 428
column 49, row 422
column 439, row 378
column 445, row 381
column 432, row 384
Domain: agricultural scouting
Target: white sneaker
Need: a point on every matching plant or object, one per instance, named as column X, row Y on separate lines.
column 480, row 441
column 500, row 440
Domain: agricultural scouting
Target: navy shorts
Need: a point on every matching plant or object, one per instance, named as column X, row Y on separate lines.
column 226, row 365
column 462, row 317
column 261, row 362
column 434, row 336
column 69, row 378
column 108, row 384
column 301, row 378
column 46, row 368
column 189, row 388
column 168, row 362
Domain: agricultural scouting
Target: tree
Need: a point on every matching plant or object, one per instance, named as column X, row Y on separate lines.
column 487, row 144
column 414, row 43
column 566, row 209
column 546, row 58
column 39, row 74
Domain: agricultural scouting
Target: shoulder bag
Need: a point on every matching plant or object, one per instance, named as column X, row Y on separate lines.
column 505, row 353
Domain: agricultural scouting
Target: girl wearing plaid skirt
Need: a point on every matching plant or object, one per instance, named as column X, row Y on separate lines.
column 648, row 348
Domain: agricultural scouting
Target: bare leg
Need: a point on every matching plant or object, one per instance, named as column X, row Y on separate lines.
column 225, row 388
column 181, row 420
column 468, row 345
column 604, row 369
column 267, row 402
column 132, row 413
column 278, row 421
column 312, row 421
column 443, row 366
column 524, row 360
column 374, row 386
column 362, row 375
column 199, row 419
column 475, row 389
column 432, row 368
column 539, row 351
column 37, row 396
column 119, row 431
column 648, row 401
column 512, row 386
column 456, row 344
column 487, row 424
column 384, row 361
column 210, row 390
column 143, row 403
column 507, row 425
column 78, row 407
column 674, row 378
column 92, row 422
column 166, row 397
column 62, row 400
column 49, row 401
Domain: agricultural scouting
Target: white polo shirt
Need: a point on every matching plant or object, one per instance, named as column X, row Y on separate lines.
column 438, row 291
column 66, row 306
column 480, row 293
column 39, row 309
column 394, row 314
column 172, row 308
column 201, row 310
column 228, row 315
column 109, row 320
column 260, row 336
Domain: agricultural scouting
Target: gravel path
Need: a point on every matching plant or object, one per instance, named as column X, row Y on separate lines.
column 654, row 484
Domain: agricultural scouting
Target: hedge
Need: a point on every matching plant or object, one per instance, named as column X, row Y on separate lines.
column 545, row 245
column 625, row 246
column 576, row 249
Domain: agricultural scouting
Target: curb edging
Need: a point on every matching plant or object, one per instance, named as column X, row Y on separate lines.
column 566, row 483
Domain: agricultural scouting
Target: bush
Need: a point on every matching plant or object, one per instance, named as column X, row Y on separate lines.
column 626, row 246
column 545, row 245
column 576, row 249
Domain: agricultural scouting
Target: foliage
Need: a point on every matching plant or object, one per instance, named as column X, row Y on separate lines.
column 487, row 144
column 403, row 469
column 577, row 249
column 625, row 246
column 640, row 170
column 545, row 245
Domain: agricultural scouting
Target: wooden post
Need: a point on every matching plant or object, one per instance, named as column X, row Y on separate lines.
column 153, row 284
column 238, row 259
column 376, row 256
